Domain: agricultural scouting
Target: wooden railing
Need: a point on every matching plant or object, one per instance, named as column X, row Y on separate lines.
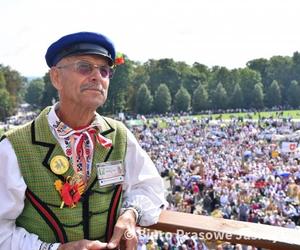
column 209, row 228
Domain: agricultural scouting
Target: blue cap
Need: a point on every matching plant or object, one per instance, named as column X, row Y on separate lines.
column 81, row 43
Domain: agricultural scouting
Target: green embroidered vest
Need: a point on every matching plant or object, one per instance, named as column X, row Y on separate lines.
column 96, row 213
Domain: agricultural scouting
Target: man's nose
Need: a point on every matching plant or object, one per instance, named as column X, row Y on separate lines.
column 96, row 77
column 96, row 73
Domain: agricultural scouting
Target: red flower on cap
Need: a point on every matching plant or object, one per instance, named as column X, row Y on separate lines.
column 119, row 59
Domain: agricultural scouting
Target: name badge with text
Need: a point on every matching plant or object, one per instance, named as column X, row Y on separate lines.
column 110, row 173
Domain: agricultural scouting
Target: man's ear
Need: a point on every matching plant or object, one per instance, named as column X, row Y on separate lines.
column 55, row 78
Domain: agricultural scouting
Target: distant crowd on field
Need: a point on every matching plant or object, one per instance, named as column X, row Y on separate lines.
column 234, row 169
column 24, row 114
column 226, row 169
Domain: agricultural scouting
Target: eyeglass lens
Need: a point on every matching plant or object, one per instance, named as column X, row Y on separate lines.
column 86, row 68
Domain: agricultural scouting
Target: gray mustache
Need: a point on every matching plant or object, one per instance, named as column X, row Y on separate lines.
column 91, row 86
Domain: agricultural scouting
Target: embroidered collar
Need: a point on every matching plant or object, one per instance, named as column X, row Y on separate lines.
column 63, row 130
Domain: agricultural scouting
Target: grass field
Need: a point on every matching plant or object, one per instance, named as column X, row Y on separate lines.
column 293, row 114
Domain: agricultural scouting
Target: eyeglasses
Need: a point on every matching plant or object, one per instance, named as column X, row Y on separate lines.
column 85, row 68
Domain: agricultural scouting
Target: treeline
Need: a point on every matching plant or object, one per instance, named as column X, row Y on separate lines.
column 160, row 86
column 12, row 91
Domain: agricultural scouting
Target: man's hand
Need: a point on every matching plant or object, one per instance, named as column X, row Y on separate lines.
column 83, row 245
column 124, row 229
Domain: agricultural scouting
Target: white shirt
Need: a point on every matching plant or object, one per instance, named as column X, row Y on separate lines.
column 143, row 187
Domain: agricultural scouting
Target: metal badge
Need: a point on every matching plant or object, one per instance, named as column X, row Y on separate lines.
column 59, row 164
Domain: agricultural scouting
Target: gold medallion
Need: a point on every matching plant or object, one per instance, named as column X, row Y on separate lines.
column 59, row 164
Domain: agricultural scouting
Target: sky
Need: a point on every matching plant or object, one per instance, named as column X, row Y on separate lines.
column 212, row 32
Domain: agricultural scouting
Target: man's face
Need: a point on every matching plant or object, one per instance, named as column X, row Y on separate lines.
column 80, row 81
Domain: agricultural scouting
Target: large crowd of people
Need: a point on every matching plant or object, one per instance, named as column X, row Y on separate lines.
column 233, row 169
column 24, row 114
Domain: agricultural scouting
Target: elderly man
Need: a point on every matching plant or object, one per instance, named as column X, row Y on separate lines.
column 73, row 179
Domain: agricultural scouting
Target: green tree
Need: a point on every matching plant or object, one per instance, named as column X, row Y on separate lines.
column 131, row 98
column 293, row 94
column 14, row 85
column 202, row 69
column 219, row 74
column 189, row 77
column 163, row 71
column 139, row 76
column 237, row 99
column 260, row 65
column 248, row 79
column 120, row 102
column 220, row 98
column 49, row 93
column 227, row 77
column 162, row 99
column 144, row 100
column 280, row 69
column 182, row 100
column 200, row 99
column 296, row 66
column 4, row 103
column 116, row 101
column 273, row 95
column 2, row 80
column 258, row 96
column 34, row 92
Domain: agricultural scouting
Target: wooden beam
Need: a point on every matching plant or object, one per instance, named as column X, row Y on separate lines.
column 207, row 227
